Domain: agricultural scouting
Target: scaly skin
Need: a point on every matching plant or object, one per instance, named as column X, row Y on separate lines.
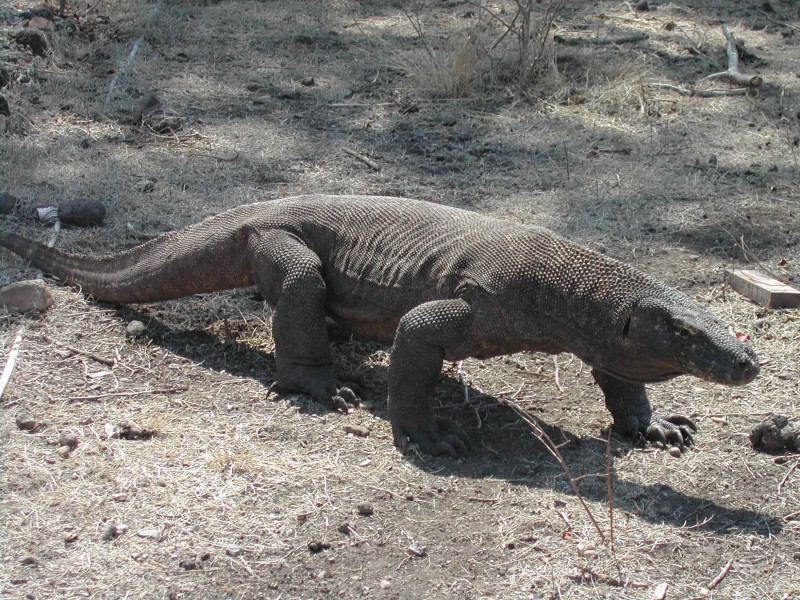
column 437, row 282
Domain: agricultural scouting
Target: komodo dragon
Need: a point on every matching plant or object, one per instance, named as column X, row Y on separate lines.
column 440, row 284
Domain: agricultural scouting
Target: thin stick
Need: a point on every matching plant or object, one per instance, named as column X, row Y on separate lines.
column 788, row 473
column 557, row 378
column 12, row 360
column 551, row 446
column 106, row 361
column 697, row 93
column 609, row 494
column 716, row 581
column 173, row 390
column 370, row 163
column 359, row 104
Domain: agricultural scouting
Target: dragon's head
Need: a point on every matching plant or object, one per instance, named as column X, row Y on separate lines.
column 659, row 339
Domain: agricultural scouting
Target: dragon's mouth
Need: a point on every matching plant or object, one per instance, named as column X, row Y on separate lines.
column 642, row 377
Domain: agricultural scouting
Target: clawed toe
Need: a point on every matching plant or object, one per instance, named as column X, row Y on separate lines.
column 436, row 437
column 675, row 430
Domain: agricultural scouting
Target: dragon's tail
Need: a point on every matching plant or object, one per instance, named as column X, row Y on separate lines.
column 171, row 266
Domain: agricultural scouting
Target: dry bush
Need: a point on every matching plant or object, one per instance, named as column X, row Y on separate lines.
column 501, row 45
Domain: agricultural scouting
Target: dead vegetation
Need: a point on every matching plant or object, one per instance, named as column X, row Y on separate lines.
column 188, row 481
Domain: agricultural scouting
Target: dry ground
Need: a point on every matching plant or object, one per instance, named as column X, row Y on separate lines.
column 243, row 496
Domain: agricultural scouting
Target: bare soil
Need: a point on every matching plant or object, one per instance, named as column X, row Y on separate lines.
column 215, row 489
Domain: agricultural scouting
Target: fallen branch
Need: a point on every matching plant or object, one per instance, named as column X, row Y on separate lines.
column 697, row 93
column 106, row 361
column 173, row 390
column 551, row 446
column 587, row 575
column 716, row 581
column 370, row 163
column 732, row 74
column 359, row 104
column 622, row 39
column 12, row 361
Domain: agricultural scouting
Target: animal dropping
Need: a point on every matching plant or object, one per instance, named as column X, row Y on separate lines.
column 439, row 284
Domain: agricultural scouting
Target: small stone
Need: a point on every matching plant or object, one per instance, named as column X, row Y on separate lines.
column 41, row 23
column 135, row 329
column 417, row 550
column 114, row 530
column 26, row 296
column 30, row 561
column 675, row 451
column 149, row 534
column 365, row 510
column 642, row 6
column 307, row 81
column 145, row 186
column 7, row 203
column 385, row 584
column 82, row 212
column 261, row 100
column 190, row 564
column 63, row 451
column 25, row 421
column 70, row 538
column 68, row 439
column 120, row 497
column 357, row 430
column 345, row 528
column 234, row 551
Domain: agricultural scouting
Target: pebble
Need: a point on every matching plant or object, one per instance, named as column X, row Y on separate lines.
column 68, row 439
column 357, row 430
column 135, row 329
column 365, row 510
column 114, row 530
column 675, row 451
column 63, row 451
column 234, row 551
column 149, row 534
column 25, row 421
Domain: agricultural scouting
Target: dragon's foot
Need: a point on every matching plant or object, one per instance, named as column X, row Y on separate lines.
column 675, row 430
column 319, row 383
column 437, row 436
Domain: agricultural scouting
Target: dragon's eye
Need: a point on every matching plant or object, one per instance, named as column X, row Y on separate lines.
column 686, row 331
column 627, row 328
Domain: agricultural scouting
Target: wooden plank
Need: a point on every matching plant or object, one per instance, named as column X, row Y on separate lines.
column 763, row 289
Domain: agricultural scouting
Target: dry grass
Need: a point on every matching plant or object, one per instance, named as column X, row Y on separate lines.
column 234, row 490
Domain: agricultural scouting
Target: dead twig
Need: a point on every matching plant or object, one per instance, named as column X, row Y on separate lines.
column 621, row 39
column 732, row 74
column 552, row 447
column 360, row 157
column 173, row 390
column 788, row 474
column 586, row 574
column 8, row 369
column 106, row 361
column 697, row 93
column 716, row 581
